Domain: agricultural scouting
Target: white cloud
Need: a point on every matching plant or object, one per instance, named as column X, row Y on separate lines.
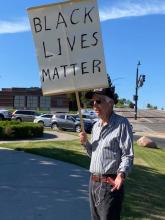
column 126, row 8
column 8, row 27
column 132, row 9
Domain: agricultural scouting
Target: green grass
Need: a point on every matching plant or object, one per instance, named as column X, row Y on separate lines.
column 145, row 197
column 145, row 191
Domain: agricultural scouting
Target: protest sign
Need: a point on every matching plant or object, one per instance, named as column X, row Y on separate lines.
column 69, row 48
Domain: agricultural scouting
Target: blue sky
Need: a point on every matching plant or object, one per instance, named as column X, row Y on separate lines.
column 132, row 30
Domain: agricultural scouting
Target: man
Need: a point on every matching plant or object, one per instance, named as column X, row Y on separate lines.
column 111, row 152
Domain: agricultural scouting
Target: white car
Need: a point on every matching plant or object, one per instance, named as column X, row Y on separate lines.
column 44, row 119
column 5, row 114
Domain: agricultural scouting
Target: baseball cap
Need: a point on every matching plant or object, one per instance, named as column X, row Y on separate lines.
column 102, row 91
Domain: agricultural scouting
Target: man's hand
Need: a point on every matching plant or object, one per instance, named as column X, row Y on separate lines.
column 83, row 138
column 118, row 182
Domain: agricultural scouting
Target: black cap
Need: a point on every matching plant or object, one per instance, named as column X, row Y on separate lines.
column 103, row 91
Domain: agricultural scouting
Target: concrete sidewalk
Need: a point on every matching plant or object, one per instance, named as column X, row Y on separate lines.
column 37, row 188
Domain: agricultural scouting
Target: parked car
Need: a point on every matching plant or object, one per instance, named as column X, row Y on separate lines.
column 89, row 118
column 90, row 112
column 92, row 118
column 68, row 122
column 24, row 115
column 5, row 114
column 44, row 119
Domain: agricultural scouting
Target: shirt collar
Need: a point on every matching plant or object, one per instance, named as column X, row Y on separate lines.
column 111, row 120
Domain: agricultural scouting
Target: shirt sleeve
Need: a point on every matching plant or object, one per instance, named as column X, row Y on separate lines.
column 126, row 145
column 88, row 147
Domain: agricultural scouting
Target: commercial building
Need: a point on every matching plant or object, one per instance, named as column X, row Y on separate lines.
column 32, row 98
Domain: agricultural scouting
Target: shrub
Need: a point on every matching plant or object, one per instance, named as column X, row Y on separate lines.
column 14, row 129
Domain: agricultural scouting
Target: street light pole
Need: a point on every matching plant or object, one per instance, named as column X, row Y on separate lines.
column 136, row 89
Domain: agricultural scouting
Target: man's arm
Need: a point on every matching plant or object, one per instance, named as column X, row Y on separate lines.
column 126, row 145
column 84, row 141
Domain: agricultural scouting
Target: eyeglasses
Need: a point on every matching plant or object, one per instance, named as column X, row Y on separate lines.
column 98, row 101
column 101, row 101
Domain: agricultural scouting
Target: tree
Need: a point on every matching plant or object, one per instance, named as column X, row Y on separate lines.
column 72, row 101
column 109, row 80
column 149, row 105
column 116, row 97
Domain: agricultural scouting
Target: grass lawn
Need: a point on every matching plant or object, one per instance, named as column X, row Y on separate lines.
column 145, row 192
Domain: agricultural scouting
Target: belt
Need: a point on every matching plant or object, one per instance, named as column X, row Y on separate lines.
column 104, row 179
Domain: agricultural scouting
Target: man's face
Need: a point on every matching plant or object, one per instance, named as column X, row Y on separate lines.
column 102, row 105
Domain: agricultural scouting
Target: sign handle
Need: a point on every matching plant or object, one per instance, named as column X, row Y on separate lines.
column 79, row 110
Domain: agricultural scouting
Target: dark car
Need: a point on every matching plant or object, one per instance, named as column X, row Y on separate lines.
column 68, row 122
column 24, row 115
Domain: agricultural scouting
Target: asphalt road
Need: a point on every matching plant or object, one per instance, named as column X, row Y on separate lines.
column 144, row 115
column 156, row 126
column 148, row 121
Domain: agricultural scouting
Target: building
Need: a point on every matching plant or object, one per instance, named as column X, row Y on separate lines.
column 32, row 98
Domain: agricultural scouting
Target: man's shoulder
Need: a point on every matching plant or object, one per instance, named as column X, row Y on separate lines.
column 96, row 124
column 120, row 119
column 122, row 122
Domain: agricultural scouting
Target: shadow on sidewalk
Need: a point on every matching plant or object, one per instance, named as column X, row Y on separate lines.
column 37, row 188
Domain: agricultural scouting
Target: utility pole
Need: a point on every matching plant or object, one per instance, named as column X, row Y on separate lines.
column 136, row 89
column 139, row 83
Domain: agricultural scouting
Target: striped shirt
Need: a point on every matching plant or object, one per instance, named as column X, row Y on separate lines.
column 111, row 147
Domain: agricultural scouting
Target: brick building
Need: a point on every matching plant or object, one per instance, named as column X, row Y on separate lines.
column 32, row 98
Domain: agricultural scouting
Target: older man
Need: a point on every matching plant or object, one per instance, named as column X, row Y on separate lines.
column 111, row 152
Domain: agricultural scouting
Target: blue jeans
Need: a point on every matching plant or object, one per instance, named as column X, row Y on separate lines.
column 104, row 204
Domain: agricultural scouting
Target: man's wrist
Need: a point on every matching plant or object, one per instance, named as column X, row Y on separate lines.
column 122, row 175
column 85, row 143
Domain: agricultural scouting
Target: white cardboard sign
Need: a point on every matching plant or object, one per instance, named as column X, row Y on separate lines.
column 69, row 48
